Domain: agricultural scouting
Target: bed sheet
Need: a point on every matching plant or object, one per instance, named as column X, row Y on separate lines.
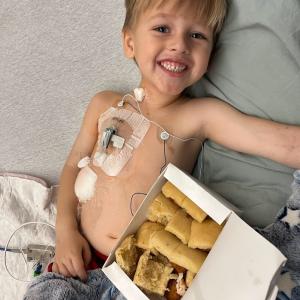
column 23, row 199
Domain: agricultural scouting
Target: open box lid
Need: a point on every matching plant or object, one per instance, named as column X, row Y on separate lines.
column 241, row 265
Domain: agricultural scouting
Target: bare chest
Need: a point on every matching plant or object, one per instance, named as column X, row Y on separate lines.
column 117, row 197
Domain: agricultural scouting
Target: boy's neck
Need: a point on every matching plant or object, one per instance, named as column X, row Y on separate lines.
column 154, row 100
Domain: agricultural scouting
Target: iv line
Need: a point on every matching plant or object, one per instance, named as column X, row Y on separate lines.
column 7, row 249
column 155, row 123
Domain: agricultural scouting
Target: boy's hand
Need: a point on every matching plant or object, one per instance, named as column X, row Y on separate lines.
column 72, row 254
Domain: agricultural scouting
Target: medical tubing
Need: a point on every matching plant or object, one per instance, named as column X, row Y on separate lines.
column 156, row 124
column 130, row 205
column 6, row 249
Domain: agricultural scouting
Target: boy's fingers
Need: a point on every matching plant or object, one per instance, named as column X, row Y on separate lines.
column 79, row 268
column 54, row 268
column 63, row 270
column 71, row 269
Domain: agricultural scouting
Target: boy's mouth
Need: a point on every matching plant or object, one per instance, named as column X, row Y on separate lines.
column 174, row 67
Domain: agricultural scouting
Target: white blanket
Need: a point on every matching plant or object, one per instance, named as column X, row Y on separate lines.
column 23, row 199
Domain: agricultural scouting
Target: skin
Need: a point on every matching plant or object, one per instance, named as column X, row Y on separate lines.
column 160, row 40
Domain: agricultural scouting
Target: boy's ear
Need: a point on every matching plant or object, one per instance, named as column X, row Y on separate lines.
column 128, row 44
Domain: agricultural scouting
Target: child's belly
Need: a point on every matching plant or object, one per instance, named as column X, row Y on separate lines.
column 108, row 213
column 104, row 218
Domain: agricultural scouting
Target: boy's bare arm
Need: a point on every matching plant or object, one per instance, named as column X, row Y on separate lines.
column 72, row 250
column 83, row 146
column 243, row 133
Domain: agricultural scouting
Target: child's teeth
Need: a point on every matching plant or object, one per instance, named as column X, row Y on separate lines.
column 172, row 67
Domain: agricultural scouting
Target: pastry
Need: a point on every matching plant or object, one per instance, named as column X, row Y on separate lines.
column 204, row 235
column 189, row 276
column 127, row 255
column 152, row 275
column 162, row 209
column 144, row 234
column 180, row 225
column 170, row 191
column 170, row 246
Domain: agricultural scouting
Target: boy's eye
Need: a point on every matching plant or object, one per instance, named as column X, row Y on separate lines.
column 198, row 35
column 162, row 29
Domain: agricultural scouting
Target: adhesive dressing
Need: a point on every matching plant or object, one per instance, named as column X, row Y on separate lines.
column 120, row 132
column 131, row 126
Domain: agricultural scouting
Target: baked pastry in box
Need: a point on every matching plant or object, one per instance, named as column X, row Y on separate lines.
column 164, row 240
column 217, row 241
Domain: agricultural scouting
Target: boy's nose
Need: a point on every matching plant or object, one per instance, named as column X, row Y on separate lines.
column 179, row 43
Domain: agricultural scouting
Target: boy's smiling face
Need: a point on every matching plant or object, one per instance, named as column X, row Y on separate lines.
column 171, row 47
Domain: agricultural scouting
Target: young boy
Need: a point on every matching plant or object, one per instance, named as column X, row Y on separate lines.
column 124, row 143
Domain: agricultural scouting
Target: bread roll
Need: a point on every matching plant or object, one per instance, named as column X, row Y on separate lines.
column 127, row 255
column 193, row 210
column 180, row 225
column 170, row 191
column 169, row 245
column 144, row 234
column 161, row 209
column 151, row 275
column 189, row 278
column 204, row 235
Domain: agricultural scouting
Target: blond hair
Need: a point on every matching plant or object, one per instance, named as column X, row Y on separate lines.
column 211, row 11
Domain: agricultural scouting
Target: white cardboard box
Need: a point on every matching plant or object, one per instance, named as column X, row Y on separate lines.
column 242, row 265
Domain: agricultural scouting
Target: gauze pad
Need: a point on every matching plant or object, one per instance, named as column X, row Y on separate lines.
column 131, row 126
column 85, row 184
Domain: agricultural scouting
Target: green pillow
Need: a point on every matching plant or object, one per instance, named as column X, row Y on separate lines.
column 256, row 68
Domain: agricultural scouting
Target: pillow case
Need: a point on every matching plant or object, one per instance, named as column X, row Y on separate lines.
column 255, row 68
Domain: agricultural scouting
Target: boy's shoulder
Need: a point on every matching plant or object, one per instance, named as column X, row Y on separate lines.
column 107, row 98
column 190, row 115
column 204, row 104
column 198, row 113
column 104, row 100
column 203, row 100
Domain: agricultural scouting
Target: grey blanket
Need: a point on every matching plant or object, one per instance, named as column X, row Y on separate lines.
column 284, row 233
column 51, row 286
